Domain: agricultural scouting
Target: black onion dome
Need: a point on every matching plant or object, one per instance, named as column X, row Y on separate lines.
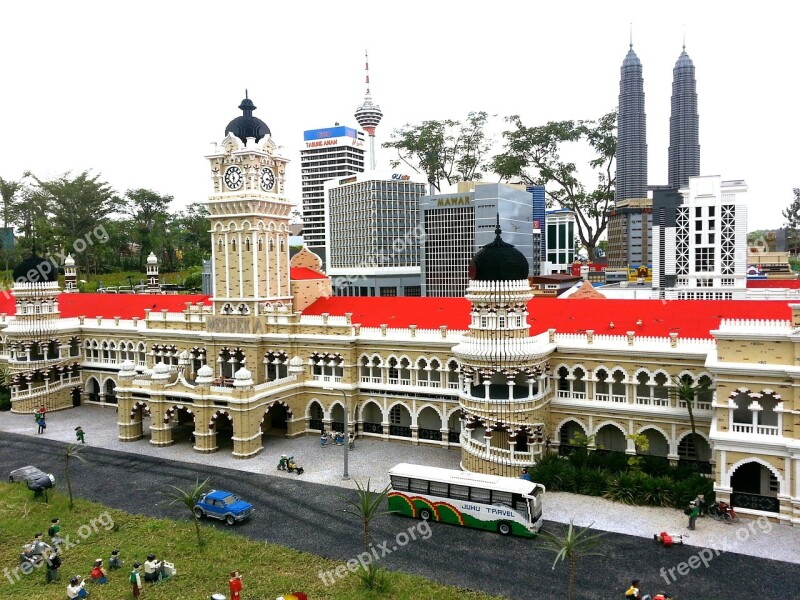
column 247, row 125
column 498, row 261
column 35, row 269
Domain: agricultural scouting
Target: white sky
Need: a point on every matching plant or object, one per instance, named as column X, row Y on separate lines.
column 139, row 91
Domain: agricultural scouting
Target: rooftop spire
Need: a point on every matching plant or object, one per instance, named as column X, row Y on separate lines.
column 366, row 60
column 631, row 34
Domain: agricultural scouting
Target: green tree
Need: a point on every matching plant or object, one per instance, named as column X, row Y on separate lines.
column 8, row 195
column 77, row 206
column 149, row 213
column 368, row 505
column 188, row 498
column 569, row 547
column 193, row 240
column 31, row 214
column 792, row 215
column 73, row 451
column 533, row 154
column 446, row 150
column 686, row 390
column 642, row 444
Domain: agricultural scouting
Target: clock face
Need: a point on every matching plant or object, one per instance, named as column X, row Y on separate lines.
column 234, row 178
column 267, row 179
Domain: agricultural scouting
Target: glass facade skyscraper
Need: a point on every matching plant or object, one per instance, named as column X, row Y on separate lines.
column 684, row 136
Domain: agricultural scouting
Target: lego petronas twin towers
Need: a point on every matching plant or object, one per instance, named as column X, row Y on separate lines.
column 684, row 144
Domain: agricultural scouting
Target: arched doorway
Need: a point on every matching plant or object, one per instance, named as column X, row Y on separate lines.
column 92, row 390
column 610, row 439
column 222, row 426
column 110, row 391
column 693, row 450
column 399, row 421
column 274, row 421
column 182, row 422
column 454, row 425
column 657, row 444
column 371, row 418
column 141, row 412
column 337, row 417
column 755, row 486
column 567, row 436
column 429, row 425
column 315, row 416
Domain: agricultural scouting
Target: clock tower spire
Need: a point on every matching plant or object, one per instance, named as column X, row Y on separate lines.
column 249, row 216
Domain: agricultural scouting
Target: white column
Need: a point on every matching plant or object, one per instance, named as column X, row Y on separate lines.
column 240, row 248
column 254, row 250
column 227, row 268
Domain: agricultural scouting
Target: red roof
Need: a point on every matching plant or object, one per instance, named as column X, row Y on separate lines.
column 112, row 305
column 688, row 318
column 774, row 283
column 300, row 273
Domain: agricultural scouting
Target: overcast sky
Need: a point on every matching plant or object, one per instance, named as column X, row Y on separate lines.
column 139, row 91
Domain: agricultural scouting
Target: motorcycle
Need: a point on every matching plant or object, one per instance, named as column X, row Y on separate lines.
column 723, row 511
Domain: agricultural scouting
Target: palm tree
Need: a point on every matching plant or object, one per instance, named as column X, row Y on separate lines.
column 569, row 547
column 367, row 505
column 686, row 390
column 189, row 497
column 73, row 451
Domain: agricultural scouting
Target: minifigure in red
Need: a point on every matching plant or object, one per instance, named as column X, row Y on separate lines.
column 668, row 540
column 235, row 585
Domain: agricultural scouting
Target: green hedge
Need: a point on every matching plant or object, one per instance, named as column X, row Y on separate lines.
column 609, row 475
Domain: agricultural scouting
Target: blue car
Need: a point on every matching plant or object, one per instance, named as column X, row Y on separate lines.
column 225, row 506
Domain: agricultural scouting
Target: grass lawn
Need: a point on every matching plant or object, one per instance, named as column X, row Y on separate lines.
column 268, row 570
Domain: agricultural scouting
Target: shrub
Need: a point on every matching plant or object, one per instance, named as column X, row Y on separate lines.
column 5, row 399
column 627, row 488
column 614, row 462
column 657, row 491
column 596, row 482
column 548, row 472
column 655, row 466
column 688, row 489
column 194, row 279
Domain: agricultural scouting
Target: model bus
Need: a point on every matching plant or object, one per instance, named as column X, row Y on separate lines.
column 503, row 504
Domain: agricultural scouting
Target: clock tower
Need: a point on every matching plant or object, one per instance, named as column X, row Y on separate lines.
column 249, row 216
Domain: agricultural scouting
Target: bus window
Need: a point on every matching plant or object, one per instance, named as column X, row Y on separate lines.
column 439, row 489
column 503, row 498
column 480, row 495
column 400, row 483
column 520, row 504
column 420, row 486
column 459, row 492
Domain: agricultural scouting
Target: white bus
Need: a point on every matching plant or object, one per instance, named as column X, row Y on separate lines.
column 503, row 504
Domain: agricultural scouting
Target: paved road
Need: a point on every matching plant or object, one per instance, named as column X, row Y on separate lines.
column 309, row 517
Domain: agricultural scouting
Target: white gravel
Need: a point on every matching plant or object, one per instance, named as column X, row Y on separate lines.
column 372, row 458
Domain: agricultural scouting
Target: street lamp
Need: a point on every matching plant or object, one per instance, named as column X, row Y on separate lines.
column 345, row 475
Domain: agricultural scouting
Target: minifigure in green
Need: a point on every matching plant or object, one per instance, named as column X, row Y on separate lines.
column 79, row 434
